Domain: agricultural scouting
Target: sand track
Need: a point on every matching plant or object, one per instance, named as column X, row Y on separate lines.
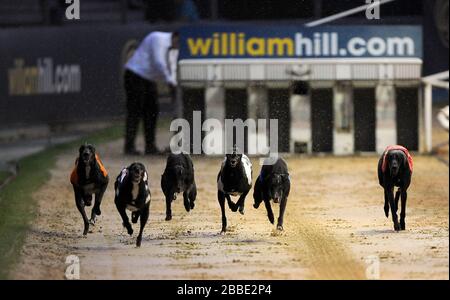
column 334, row 221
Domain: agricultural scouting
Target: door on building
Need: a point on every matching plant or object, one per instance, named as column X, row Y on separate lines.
column 236, row 108
column 322, row 119
column 364, row 117
column 193, row 100
column 279, row 108
column 407, row 112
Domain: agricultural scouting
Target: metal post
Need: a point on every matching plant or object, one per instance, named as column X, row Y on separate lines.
column 214, row 110
column 345, row 13
column 428, row 97
column 258, row 109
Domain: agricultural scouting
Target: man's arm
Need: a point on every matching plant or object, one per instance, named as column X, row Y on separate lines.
column 160, row 61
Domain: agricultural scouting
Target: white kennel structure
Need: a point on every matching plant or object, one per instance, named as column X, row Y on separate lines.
column 338, row 105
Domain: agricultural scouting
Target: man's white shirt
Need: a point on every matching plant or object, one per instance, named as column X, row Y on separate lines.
column 150, row 60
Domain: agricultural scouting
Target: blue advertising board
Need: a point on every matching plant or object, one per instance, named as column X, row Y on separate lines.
column 278, row 42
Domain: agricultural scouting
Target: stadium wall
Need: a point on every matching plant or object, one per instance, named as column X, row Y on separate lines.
column 64, row 74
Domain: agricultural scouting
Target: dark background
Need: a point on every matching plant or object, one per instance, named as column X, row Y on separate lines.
column 32, row 29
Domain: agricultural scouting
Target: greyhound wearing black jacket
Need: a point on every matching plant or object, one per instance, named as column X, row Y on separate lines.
column 395, row 170
column 234, row 179
column 133, row 193
column 178, row 177
column 88, row 177
column 273, row 183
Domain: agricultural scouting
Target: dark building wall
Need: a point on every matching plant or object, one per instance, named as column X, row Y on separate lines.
column 98, row 53
column 365, row 119
column 407, row 116
column 322, row 119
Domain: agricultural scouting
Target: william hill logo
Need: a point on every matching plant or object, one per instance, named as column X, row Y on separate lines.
column 237, row 44
column 317, row 44
column 44, row 77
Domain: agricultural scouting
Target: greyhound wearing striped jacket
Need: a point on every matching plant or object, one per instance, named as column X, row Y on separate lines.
column 234, row 179
column 133, row 193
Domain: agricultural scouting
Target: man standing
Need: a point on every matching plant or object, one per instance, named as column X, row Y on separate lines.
column 149, row 64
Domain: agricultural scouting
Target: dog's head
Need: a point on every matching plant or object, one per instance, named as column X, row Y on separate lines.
column 234, row 158
column 136, row 172
column 395, row 159
column 87, row 154
column 276, row 186
column 178, row 173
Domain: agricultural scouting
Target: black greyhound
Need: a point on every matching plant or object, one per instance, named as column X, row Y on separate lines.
column 88, row 177
column 273, row 183
column 395, row 169
column 234, row 179
column 178, row 177
column 133, row 193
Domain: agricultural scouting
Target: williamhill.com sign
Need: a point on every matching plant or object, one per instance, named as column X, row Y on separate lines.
column 249, row 42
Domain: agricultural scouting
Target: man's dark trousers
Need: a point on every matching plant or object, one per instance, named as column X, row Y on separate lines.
column 142, row 102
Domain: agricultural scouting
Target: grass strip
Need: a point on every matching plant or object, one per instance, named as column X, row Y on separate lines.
column 17, row 206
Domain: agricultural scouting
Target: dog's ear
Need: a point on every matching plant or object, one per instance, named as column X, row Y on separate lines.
column 285, row 177
column 278, row 178
column 145, row 178
column 405, row 162
column 92, row 148
column 388, row 159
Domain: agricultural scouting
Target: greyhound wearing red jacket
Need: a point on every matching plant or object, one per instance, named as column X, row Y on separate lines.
column 88, row 177
column 395, row 169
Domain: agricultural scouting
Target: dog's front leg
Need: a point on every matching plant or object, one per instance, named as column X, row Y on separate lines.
column 135, row 216
column 186, row 203
column 221, row 198
column 123, row 214
column 169, row 197
column 386, row 204
column 231, row 204
column 192, row 195
column 80, row 205
column 397, row 197
column 390, row 196
column 403, row 212
column 93, row 214
column 98, row 201
column 257, row 193
column 144, row 217
column 241, row 202
column 281, row 216
column 269, row 209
